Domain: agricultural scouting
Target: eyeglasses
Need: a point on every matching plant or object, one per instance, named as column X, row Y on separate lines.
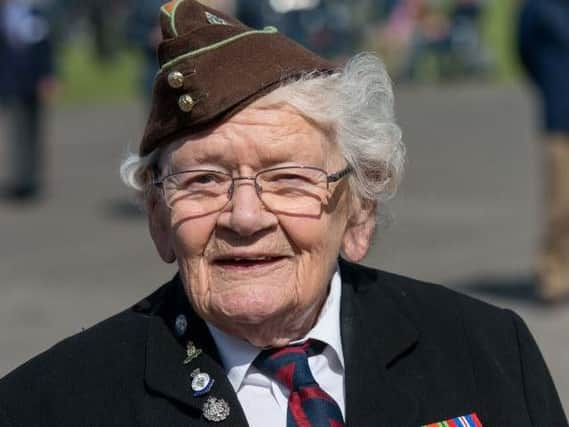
column 289, row 189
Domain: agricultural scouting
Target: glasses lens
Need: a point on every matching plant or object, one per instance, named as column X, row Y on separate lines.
column 197, row 192
column 293, row 190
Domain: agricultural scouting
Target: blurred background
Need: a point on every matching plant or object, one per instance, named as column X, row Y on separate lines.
column 75, row 79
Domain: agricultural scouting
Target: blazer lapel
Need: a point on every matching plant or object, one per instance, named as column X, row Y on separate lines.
column 375, row 336
column 166, row 372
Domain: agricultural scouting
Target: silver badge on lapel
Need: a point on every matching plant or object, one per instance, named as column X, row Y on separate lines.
column 181, row 325
column 201, row 382
column 192, row 352
column 215, row 409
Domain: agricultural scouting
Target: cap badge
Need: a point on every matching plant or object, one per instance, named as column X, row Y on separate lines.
column 214, row 19
column 192, row 352
column 201, row 382
column 215, row 409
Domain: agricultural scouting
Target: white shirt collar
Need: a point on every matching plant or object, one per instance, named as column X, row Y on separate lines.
column 237, row 355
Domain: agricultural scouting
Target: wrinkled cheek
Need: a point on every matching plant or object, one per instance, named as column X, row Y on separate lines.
column 197, row 284
column 311, row 277
column 316, row 264
column 196, row 277
column 305, row 233
column 191, row 237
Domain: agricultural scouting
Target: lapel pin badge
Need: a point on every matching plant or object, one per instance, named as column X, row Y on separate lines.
column 215, row 409
column 201, row 382
column 181, row 325
column 192, row 352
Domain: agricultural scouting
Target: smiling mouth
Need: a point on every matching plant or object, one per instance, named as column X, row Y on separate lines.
column 246, row 263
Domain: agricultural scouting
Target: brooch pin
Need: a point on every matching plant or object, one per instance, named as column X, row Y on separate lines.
column 201, row 382
column 215, row 409
column 181, row 325
column 192, row 352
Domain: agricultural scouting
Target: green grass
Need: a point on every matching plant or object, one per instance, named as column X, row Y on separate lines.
column 85, row 80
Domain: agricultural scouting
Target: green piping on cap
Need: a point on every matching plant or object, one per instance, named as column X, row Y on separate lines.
column 164, row 11
column 266, row 30
column 173, row 18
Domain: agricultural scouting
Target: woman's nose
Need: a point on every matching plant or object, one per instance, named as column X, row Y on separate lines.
column 246, row 214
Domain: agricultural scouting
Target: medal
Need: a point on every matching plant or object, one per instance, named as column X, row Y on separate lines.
column 215, row 409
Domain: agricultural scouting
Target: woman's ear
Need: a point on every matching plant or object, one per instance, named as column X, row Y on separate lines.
column 159, row 226
column 359, row 230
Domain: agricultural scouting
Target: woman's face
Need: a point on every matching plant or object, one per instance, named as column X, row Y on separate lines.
column 254, row 273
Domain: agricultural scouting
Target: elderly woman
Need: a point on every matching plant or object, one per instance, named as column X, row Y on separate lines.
column 260, row 163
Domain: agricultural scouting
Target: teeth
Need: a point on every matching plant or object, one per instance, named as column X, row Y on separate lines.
column 251, row 259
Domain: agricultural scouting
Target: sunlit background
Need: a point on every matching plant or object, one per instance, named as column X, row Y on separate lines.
column 75, row 249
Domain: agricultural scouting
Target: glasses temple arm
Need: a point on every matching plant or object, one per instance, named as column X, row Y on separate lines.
column 340, row 174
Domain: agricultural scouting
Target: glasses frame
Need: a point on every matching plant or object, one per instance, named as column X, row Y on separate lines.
column 330, row 178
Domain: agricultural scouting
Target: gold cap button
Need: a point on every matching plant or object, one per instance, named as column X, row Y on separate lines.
column 176, row 79
column 186, row 103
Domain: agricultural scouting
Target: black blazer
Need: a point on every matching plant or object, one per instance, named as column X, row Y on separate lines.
column 415, row 353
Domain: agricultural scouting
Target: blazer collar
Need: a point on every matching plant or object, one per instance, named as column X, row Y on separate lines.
column 166, row 373
column 376, row 335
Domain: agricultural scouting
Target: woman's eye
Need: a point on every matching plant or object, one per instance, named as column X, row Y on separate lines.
column 199, row 181
column 205, row 179
column 284, row 178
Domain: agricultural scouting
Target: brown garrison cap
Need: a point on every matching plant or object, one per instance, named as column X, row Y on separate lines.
column 213, row 66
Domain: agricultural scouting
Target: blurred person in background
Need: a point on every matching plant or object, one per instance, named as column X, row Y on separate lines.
column 543, row 41
column 101, row 23
column 106, row 19
column 27, row 82
column 260, row 162
column 466, row 39
column 393, row 36
column 431, row 35
column 143, row 33
column 324, row 26
column 448, row 33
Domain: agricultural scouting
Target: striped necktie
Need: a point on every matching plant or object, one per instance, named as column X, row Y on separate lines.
column 308, row 404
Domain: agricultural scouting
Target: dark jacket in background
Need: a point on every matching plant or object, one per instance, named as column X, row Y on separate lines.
column 543, row 42
column 414, row 353
column 25, row 61
column 142, row 22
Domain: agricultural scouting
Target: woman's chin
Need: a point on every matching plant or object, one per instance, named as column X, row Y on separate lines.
column 250, row 316
column 250, row 319
column 251, row 305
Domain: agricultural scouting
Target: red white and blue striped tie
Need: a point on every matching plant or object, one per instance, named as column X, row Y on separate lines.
column 308, row 404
